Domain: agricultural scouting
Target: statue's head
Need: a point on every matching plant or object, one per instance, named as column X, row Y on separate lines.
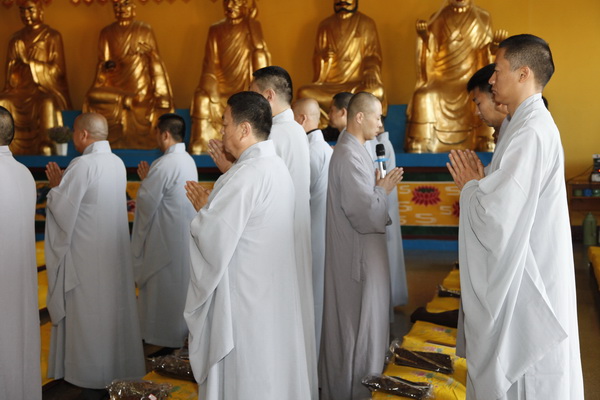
column 32, row 13
column 235, row 9
column 345, row 7
column 124, row 10
column 460, row 3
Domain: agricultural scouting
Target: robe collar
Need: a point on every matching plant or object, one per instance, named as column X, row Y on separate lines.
column 284, row 116
column 176, row 148
column 315, row 136
column 101, row 146
column 5, row 151
column 260, row 149
column 523, row 107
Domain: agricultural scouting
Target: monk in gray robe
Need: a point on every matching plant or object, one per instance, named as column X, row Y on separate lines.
column 357, row 276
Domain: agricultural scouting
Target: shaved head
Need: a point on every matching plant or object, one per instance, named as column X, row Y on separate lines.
column 362, row 102
column 7, row 127
column 307, row 113
column 94, row 123
column 307, row 106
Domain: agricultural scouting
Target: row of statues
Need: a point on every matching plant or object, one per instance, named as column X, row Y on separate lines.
column 132, row 88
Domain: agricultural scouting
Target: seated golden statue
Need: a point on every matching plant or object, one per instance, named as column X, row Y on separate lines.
column 455, row 43
column 234, row 49
column 347, row 57
column 131, row 88
column 36, row 85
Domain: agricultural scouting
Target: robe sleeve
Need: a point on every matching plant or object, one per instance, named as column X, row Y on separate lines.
column 364, row 204
column 62, row 210
column 509, row 322
column 149, row 200
column 215, row 233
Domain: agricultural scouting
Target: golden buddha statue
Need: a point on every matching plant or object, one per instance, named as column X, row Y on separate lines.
column 234, row 49
column 36, row 85
column 455, row 43
column 131, row 88
column 347, row 57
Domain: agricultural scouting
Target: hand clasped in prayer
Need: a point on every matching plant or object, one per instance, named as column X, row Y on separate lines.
column 464, row 166
column 197, row 194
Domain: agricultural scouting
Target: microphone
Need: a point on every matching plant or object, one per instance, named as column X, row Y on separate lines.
column 380, row 152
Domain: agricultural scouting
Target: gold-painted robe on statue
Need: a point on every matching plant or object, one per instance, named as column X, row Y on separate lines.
column 233, row 52
column 346, row 52
column 441, row 116
column 36, row 87
column 132, row 88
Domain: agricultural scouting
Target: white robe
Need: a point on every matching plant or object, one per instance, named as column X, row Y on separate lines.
column 357, row 276
column 243, row 303
column 320, row 154
column 20, row 328
column 91, row 293
column 160, row 245
column 393, row 231
column 291, row 145
column 517, row 274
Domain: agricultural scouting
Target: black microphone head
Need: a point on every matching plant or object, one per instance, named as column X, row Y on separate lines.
column 380, row 150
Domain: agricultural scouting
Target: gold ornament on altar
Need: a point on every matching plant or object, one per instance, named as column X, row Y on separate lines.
column 132, row 88
column 235, row 48
column 455, row 43
column 36, row 86
column 347, row 57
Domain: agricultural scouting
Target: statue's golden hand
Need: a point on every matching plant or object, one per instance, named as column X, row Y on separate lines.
column 163, row 102
column 143, row 48
column 370, row 80
column 21, row 51
column 499, row 36
column 422, row 29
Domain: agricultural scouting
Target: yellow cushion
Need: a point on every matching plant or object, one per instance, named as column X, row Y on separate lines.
column 452, row 281
column 39, row 253
column 42, row 289
column 182, row 390
column 441, row 304
column 45, row 341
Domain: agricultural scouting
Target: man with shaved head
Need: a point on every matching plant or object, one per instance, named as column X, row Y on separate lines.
column 91, row 294
column 357, row 275
column 307, row 114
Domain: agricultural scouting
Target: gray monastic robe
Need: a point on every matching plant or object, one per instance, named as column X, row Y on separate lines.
column 291, row 145
column 243, row 302
column 320, row 154
column 394, row 235
column 357, row 275
column 516, row 268
column 91, row 293
column 160, row 245
column 20, row 329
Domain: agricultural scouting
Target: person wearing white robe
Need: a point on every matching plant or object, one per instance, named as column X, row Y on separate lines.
column 20, row 374
column 399, row 287
column 307, row 113
column 356, row 309
column 160, row 237
column 518, row 316
column 291, row 144
column 243, row 303
column 91, row 293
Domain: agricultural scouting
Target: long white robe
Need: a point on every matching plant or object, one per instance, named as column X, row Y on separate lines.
column 517, row 274
column 243, row 303
column 393, row 231
column 160, row 245
column 20, row 329
column 357, row 276
column 91, row 293
column 320, row 154
column 291, row 145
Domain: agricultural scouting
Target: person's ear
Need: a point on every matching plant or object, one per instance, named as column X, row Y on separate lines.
column 246, row 130
column 269, row 95
column 360, row 116
column 524, row 73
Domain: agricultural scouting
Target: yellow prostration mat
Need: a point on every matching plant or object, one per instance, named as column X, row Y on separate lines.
column 452, row 281
column 441, row 304
column 45, row 337
column 42, row 289
column 594, row 257
column 39, row 254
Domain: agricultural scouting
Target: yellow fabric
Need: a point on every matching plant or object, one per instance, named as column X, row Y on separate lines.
column 45, row 339
column 42, row 289
column 441, row 304
column 428, row 203
column 594, row 257
column 460, row 364
column 444, row 387
column 39, row 254
column 431, row 333
column 452, row 281
column 182, row 390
